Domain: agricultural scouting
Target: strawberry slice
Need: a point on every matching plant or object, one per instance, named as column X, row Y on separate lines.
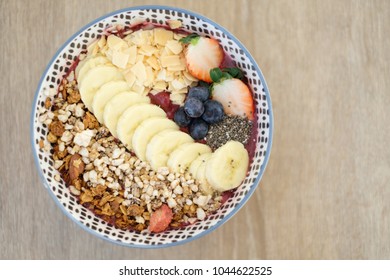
column 160, row 219
column 202, row 54
column 235, row 96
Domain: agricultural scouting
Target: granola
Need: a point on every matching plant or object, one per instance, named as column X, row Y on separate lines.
column 109, row 180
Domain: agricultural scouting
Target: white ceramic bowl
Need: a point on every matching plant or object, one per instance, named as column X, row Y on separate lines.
column 192, row 22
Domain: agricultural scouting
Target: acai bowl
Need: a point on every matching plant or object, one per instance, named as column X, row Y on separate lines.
column 151, row 126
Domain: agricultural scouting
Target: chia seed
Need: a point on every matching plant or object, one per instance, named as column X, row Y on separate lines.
column 230, row 128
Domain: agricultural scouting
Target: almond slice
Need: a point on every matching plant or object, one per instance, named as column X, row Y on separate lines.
column 149, row 76
column 129, row 77
column 189, row 76
column 174, row 46
column 115, row 43
column 174, row 24
column 176, row 68
column 152, row 61
column 148, row 50
column 139, row 71
column 120, row 59
column 161, row 36
column 178, row 84
column 132, row 52
column 177, row 98
column 170, row 60
column 102, row 42
column 160, row 85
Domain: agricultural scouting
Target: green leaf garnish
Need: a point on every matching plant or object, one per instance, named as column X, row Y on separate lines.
column 234, row 72
column 216, row 74
column 192, row 38
column 225, row 76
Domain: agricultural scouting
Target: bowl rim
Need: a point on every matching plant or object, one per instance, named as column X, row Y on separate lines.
column 219, row 223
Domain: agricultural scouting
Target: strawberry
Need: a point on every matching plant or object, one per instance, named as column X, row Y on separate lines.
column 202, row 54
column 235, row 96
column 160, row 219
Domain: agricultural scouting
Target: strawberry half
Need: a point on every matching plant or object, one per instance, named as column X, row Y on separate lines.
column 202, row 54
column 235, row 96
column 160, row 219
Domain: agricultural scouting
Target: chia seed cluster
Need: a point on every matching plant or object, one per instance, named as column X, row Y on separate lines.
column 230, row 128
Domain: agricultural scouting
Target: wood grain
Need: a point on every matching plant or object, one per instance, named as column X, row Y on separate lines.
column 325, row 193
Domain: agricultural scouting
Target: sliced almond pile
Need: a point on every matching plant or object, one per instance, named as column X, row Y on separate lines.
column 150, row 60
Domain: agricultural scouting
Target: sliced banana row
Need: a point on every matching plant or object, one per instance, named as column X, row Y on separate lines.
column 145, row 129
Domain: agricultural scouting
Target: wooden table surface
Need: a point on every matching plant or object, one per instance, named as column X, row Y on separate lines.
column 326, row 191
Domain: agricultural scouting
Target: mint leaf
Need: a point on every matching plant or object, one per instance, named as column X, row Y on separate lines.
column 216, row 74
column 189, row 39
column 225, row 76
column 234, row 72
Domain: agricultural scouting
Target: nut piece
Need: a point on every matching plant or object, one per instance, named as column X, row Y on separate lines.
column 98, row 190
column 135, row 210
column 51, row 138
column 86, row 196
column 76, row 166
column 57, row 128
column 58, row 154
column 47, row 103
column 73, row 96
column 90, row 121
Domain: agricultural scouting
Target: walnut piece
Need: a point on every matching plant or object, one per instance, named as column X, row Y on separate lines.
column 86, row 196
column 73, row 96
column 57, row 128
column 98, row 190
column 135, row 210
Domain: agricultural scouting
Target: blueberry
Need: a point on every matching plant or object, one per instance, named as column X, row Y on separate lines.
column 213, row 111
column 198, row 129
column 201, row 93
column 193, row 107
column 181, row 118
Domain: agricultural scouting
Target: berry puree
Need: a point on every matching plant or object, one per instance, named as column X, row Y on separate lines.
column 162, row 99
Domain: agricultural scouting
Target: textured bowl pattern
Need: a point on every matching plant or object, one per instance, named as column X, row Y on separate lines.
column 64, row 59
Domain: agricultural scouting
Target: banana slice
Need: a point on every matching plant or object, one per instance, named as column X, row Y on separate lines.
column 103, row 96
column 87, row 64
column 146, row 130
column 227, row 167
column 194, row 166
column 94, row 79
column 184, row 155
column 162, row 144
column 117, row 105
column 204, row 185
column 198, row 171
column 132, row 118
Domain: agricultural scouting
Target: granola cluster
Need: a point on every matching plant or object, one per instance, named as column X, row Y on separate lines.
column 105, row 177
